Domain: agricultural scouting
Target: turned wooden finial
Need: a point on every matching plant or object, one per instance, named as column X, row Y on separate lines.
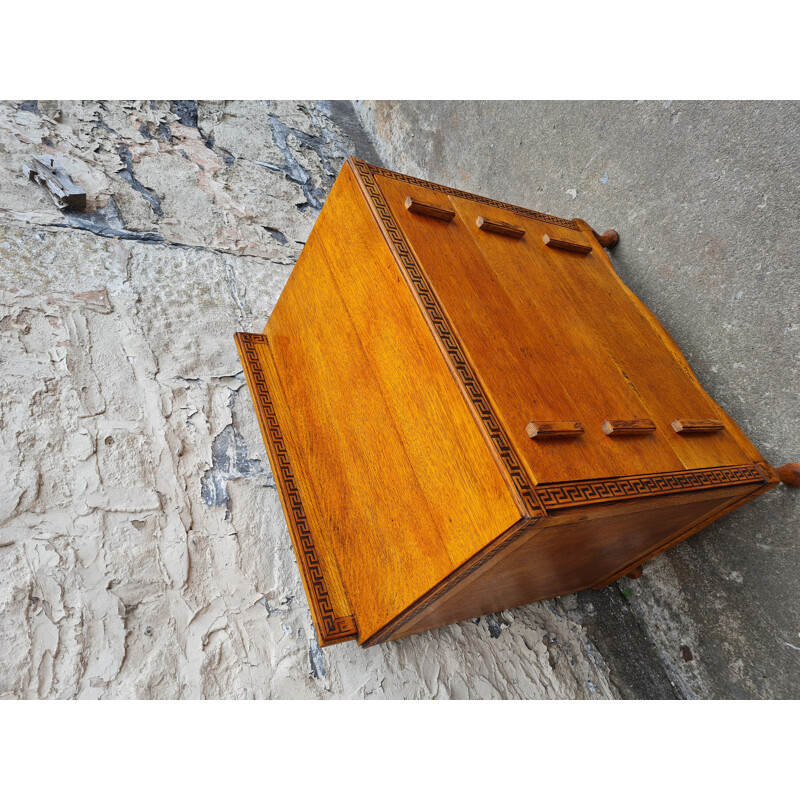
column 790, row 473
column 608, row 239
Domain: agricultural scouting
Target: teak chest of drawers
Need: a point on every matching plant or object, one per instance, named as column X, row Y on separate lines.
column 466, row 410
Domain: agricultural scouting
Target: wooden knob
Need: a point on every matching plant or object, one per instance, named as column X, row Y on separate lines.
column 540, row 429
column 429, row 210
column 790, row 473
column 562, row 244
column 608, row 239
column 503, row 228
column 688, row 427
column 628, row 427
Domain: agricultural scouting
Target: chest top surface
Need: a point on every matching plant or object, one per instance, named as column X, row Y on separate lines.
column 542, row 329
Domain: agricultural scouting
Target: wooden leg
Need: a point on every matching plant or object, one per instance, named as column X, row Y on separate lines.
column 790, row 474
column 608, row 239
column 635, row 573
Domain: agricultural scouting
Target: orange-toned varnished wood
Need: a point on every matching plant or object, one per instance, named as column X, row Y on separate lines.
column 687, row 427
column 628, row 427
column 790, row 474
column 539, row 429
column 466, row 410
column 565, row 554
column 609, row 239
column 406, row 487
column 771, row 480
column 499, row 227
column 330, row 610
column 563, row 244
column 429, row 210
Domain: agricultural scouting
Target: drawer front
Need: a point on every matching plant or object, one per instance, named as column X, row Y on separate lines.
column 532, row 272
column 556, row 339
column 623, row 351
column 532, row 355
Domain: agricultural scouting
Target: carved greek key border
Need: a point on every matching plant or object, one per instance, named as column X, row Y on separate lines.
column 433, row 310
column 333, row 628
column 581, row 493
column 525, row 212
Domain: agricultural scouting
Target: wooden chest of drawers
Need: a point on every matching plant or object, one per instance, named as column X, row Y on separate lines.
column 466, row 410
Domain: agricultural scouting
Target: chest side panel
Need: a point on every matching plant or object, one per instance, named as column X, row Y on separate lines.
column 404, row 481
column 572, row 552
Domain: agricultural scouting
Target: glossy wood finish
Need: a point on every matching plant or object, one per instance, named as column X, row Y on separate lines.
column 429, row 210
column 563, row 244
column 609, row 239
column 563, row 554
column 330, row 609
column 499, row 227
column 635, row 573
column 463, row 417
column 405, row 486
column 628, row 427
column 687, row 427
column 790, row 474
column 553, row 430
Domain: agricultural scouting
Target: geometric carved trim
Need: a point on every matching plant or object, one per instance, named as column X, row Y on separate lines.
column 525, row 212
column 450, row 343
column 604, row 490
column 333, row 628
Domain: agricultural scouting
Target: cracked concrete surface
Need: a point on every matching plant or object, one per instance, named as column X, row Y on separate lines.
column 706, row 199
column 143, row 551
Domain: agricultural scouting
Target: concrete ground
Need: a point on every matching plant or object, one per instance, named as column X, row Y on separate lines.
column 706, row 199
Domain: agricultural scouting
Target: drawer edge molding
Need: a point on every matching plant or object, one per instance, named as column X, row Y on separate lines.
column 330, row 628
column 448, row 340
column 605, row 490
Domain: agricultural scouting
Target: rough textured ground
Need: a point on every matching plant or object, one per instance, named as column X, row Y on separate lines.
column 706, row 197
column 143, row 552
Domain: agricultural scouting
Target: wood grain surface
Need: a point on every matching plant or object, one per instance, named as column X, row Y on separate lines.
column 563, row 244
column 394, row 461
column 628, row 427
column 332, row 614
column 540, row 429
column 429, row 210
column 467, row 410
column 687, row 427
column 561, row 556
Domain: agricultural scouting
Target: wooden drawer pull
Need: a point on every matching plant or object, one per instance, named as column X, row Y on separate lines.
column 503, row 228
column 553, row 430
column 628, row 427
column 689, row 426
column 562, row 245
column 429, row 210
